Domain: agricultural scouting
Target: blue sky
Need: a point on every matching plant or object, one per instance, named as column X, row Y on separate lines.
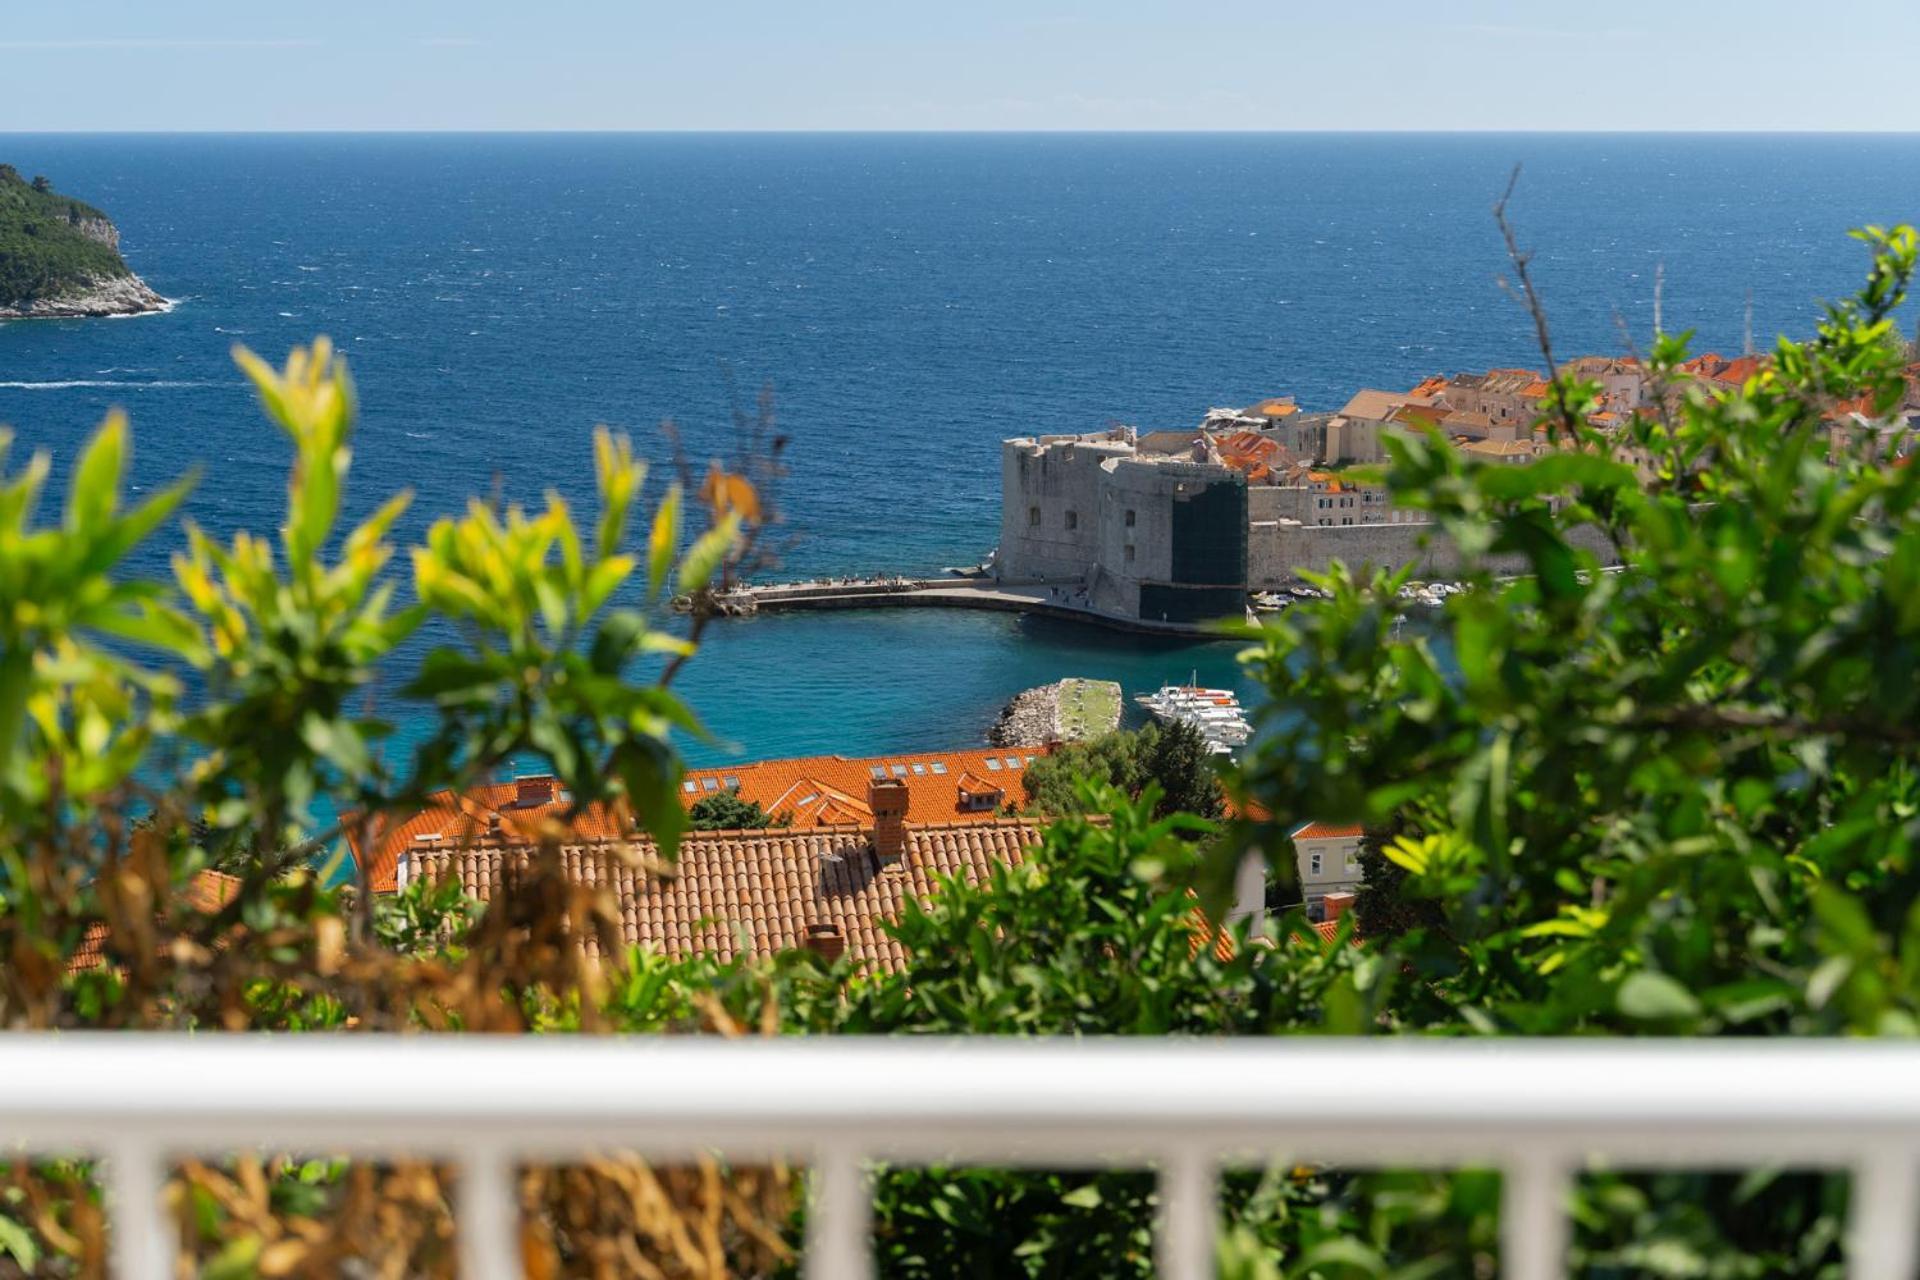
column 984, row 64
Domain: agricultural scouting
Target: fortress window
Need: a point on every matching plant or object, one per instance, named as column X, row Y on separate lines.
column 1129, row 555
column 1033, row 517
column 1073, row 519
column 1129, row 519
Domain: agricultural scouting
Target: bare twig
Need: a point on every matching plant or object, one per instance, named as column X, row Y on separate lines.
column 1522, row 260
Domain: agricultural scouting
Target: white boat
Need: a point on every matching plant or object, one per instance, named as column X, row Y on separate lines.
column 1215, row 713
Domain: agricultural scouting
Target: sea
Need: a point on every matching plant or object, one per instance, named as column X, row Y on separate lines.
column 905, row 302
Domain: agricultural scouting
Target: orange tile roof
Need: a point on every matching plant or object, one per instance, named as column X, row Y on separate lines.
column 1329, row 831
column 814, row 791
column 1714, row 367
column 757, row 891
column 1252, row 453
column 1420, row 414
column 206, row 893
column 1274, row 407
column 1327, row 930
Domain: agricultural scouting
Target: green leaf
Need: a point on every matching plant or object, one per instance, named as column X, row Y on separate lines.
column 1087, row 1197
column 709, row 551
column 663, row 541
column 1651, row 996
column 95, row 492
column 651, row 773
column 17, row 1243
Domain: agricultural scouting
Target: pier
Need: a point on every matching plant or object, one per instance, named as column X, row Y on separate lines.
column 1065, row 603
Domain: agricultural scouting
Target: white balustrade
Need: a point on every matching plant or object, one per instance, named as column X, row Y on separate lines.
column 1539, row 1111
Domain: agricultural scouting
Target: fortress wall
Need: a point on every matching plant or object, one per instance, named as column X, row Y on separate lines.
column 1050, row 508
column 1277, row 551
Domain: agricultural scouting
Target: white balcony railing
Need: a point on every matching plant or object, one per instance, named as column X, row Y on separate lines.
column 1535, row 1110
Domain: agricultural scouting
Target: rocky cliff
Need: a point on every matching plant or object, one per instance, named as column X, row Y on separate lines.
column 60, row 257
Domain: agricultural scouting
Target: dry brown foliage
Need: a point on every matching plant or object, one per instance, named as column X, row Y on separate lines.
column 171, row 959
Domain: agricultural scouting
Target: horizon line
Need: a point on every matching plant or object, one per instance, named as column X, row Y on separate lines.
column 957, row 131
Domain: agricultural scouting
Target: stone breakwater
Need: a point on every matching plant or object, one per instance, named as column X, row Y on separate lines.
column 1032, row 719
column 102, row 296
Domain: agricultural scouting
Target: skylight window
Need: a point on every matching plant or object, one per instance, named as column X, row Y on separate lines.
column 899, row 771
column 689, row 785
column 919, row 770
column 939, row 766
column 993, row 762
column 879, row 771
column 709, row 784
column 733, row 782
column 1013, row 762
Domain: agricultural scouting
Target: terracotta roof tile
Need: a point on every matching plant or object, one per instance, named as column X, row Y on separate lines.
column 206, row 893
column 756, row 891
column 1329, row 831
column 814, row 791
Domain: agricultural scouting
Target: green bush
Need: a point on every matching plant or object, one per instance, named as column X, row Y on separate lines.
column 726, row 811
column 1172, row 758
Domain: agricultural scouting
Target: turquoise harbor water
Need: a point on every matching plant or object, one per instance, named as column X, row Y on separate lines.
column 910, row 300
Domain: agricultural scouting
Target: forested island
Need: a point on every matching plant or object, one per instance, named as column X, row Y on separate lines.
column 61, row 257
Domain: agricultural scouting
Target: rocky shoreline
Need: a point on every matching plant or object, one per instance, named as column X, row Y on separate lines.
column 127, row 295
column 1032, row 719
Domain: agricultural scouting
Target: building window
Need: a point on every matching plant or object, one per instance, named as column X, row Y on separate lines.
column 899, row 771
column 919, row 771
column 1129, row 556
column 709, row 784
column 1130, row 519
column 939, row 766
column 1313, row 864
column 1033, row 517
column 733, row 782
column 1073, row 519
column 879, row 771
column 993, row 762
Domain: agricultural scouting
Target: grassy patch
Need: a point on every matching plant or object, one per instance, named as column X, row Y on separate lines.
column 1088, row 708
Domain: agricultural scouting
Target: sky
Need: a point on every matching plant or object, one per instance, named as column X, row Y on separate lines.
column 230, row 65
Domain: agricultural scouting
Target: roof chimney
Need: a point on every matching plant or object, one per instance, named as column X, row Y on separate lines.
column 826, row 941
column 532, row 791
column 887, row 797
column 1336, row 905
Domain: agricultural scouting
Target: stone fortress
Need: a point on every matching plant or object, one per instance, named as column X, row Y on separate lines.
column 1173, row 529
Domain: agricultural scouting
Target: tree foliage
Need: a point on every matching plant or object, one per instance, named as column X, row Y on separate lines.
column 1676, row 798
column 726, row 811
column 43, row 252
column 1171, row 758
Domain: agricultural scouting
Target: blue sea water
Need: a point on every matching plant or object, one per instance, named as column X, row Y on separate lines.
column 910, row 300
